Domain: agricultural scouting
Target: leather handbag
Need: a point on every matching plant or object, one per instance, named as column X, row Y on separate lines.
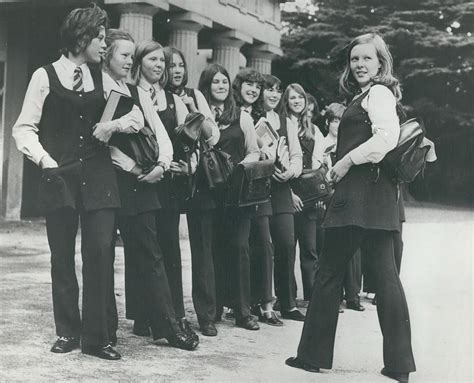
column 145, row 148
column 409, row 156
column 311, row 186
column 190, row 132
column 217, row 166
column 250, row 183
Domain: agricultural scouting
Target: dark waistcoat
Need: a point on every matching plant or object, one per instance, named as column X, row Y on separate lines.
column 85, row 175
column 232, row 141
column 281, row 193
column 171, row 189
column 366, row 196
column 136, row 197
column 307, row 147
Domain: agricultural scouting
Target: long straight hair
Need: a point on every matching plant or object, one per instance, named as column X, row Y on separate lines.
column 169, row 52
column 144, row 48
column 348, row 84
column 304, row 126
column 231, row 112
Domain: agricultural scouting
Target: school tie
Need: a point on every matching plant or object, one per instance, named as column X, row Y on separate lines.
column 153, row 97
column 217, row 114
column 77, row 85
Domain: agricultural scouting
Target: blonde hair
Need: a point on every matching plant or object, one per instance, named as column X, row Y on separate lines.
column 347, row 83
column 144, row 48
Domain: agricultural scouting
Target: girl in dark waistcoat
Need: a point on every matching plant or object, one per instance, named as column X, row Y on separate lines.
column 149, row 70
column 281, row 223
column 248, row 90
column 232, row 225
column 295, row 105
column 200, row 208
column 58, row 129
column 147, row 291
column 363, row 209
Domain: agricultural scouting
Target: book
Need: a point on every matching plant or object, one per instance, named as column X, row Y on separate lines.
column 282, row 160
column 118, row 105
column 268, row 136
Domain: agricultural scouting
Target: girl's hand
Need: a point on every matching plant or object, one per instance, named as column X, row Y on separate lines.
column 180, row 168
column 189, row 102
column 47, row 162
column 340, row 169
column 282, row 176
column 104, row 130
column 154, row 176
column 297, row 203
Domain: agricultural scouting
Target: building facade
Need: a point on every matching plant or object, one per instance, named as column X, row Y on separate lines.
column 233, row 33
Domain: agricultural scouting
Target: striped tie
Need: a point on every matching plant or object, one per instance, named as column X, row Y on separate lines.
column 77, row 85
column 153, row 97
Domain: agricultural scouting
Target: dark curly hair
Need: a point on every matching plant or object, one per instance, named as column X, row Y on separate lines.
column 249, row 75
column 80, row 26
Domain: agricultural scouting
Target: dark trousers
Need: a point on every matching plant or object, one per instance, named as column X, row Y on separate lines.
column 147, row 293
column 99, row 317
column 167, row 225
column 231, row 259
column 352, row 278
column 317, row 340
column 201, row 227
column 283, row 236
column 367, row 253
column 261, row 260
column 306, row 234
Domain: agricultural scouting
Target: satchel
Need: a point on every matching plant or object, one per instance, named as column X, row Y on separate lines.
column 409, row 156
column 251, row 184
column 189, row 132
column 311, row 186
column 217, row 166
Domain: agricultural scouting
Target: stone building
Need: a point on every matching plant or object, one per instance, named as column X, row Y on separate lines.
column 233, row 33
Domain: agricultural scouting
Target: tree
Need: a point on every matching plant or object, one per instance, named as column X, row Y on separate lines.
column 433, row 50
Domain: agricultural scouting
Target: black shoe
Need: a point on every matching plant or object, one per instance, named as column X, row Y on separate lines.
column 401, row 377
column 184, row 326
column 102, row 352
column 208, row 329
column 182, row 341
column 268, row 317
column 141, row 328
column 65, row 344
column 113, row 340
column 296, row 363
column 230, row 314
column 293, row 315
column 248, row 323
column 354, row 305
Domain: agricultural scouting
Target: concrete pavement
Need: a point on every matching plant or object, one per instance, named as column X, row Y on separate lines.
column 437, row 275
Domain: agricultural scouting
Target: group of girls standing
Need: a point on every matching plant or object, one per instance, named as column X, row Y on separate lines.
column 236, row 252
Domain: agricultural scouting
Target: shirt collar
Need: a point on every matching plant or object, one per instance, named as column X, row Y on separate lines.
column 143, row 83
column 69, row 66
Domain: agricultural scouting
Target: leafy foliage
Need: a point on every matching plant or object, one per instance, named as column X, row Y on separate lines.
column 432, row 44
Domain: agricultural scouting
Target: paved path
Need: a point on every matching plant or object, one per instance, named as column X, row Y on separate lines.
column 436, row 271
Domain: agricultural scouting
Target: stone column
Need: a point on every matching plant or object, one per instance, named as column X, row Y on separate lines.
column 226, row 50
column 16, row 82
column 260, row 57
column 184, row 29
column 137, row 19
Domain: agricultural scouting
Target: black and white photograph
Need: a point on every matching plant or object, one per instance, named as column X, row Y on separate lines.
column 236, row 191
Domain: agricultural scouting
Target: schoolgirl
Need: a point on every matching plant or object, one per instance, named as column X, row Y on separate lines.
column 232, row 225
column 59, row 130
column 248, row 88
column 363, row 209
column 148, row 298
column 200, row 208
column 294, row 105
column 150, row 74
